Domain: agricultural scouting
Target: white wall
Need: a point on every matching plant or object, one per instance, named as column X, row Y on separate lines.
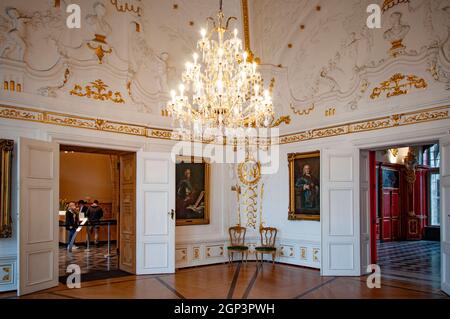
column 295, row 236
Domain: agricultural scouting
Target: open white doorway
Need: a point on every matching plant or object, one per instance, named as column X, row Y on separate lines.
column 403, row 212
column 97, row 195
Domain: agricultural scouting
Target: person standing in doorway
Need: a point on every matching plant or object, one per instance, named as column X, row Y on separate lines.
column 94, row 214
column 82, row 208
column 71, row 224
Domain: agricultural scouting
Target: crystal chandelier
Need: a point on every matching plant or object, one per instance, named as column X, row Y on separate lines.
column 221, row 88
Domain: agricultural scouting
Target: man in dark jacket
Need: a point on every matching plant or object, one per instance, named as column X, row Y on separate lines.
column 94, row 214
column 71, row 224
column 82, row 207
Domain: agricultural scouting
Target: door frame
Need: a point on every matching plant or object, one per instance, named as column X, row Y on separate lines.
column 98, row 143
column 431, row 135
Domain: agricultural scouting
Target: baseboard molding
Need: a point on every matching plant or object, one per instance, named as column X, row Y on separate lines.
column 289, row 251
column 8, row 273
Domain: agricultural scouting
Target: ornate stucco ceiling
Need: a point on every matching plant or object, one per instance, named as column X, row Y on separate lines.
column 325, row 62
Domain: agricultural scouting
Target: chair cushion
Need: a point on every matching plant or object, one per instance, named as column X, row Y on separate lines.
column 237, row 248
column 262, row 248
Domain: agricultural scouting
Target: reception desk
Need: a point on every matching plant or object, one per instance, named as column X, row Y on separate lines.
column 82, row 235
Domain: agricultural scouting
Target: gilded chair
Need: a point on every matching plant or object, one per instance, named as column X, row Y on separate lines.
column 268, row 237
column 237, row 242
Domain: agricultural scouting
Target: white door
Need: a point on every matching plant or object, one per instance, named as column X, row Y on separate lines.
column 445, row 213
column 38, row 215
column 364, row 206
column 340, row 212
column 155, row 215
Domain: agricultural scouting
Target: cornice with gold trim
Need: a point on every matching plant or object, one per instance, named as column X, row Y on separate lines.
column 394, row 120
column 55, row 118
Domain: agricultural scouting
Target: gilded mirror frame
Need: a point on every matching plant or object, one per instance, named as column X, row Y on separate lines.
column 6, row 147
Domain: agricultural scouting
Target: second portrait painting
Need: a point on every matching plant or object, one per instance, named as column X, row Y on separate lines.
column 304, row 186
column 192, row 191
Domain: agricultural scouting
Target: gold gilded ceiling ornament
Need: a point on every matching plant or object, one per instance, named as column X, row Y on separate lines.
column 127, row 7
column 397, row 85
column 330, row 112
column 388, row 4
column 286, row 119
column 66, row 77
column 97, row 44
column 246, row 27
column 97, row 90
column 394, row 151
column 12, row 86
column 305, row 111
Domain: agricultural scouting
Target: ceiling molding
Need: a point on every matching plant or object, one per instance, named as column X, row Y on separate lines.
column 80, row 122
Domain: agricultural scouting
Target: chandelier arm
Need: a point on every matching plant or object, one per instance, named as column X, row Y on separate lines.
column 211, row 19
column 228, row 21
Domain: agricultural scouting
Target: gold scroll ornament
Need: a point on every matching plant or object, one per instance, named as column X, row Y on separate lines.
column 249, row 173
column 397, row 85
column 97, row 90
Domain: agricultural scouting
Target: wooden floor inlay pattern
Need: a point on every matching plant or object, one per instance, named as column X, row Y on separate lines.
column 246, row 280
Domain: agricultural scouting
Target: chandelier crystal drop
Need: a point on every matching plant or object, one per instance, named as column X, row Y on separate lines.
column 221, row 87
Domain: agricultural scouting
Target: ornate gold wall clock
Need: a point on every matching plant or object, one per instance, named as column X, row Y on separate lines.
column 249, row 172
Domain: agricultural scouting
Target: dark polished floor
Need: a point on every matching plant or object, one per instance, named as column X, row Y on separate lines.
column 89, row 260
column 238, row 281
column 411, row 261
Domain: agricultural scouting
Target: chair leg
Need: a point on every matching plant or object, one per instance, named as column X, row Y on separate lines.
column 246, row 256
column 273, row 258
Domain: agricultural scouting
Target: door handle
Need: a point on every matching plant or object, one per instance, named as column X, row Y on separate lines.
column 171, row 213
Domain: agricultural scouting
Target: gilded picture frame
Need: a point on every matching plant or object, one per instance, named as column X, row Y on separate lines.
column 304, row 186
column 192, row 191
column 6, row 149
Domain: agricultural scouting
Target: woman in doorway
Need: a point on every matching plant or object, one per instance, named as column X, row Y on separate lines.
column 71, row 224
